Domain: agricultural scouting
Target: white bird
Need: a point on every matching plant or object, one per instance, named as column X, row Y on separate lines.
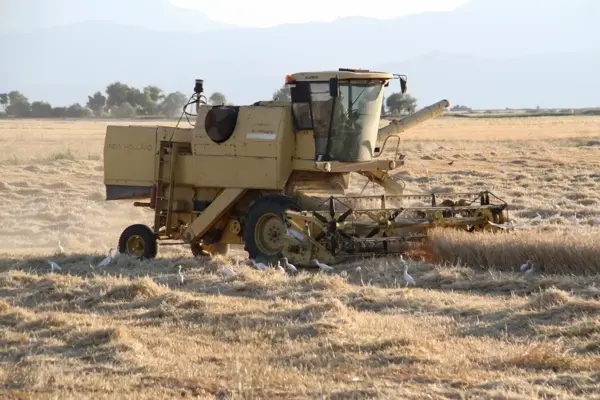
column 290, row 267
column 228, row 271
column 575, row 219
column 322, row 266
column 359, row 270
column 53, row 266
column 107, row 259
column 524, row 266
column 180, row 278
column 258, row 265
column 280, row 268
column 529, row 271
column 596, row 220
column 61, row 249
column 409, row 279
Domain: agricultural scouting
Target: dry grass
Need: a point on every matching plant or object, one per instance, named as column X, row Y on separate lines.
column 473, row 328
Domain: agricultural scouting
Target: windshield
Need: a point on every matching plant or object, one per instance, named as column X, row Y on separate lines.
column 356, row 121
column 345, row 127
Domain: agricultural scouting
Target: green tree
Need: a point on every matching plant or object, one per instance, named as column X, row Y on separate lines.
column 172, row 105
column 217, row 98
column 96, row 103
column 123, row 110
column 76, row 111
column 137, row 99
column 118, row 93
column 41, row 109
column 18, row 104
column 459, row 107
column 398, row 102
column 152, row 96
column 154, row 93
column 59, row 112
column 4, row 100
column 282, row 94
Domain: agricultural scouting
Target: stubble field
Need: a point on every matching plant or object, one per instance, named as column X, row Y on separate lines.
column 474, row 327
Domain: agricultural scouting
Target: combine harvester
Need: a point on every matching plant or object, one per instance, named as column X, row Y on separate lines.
column 274, row 176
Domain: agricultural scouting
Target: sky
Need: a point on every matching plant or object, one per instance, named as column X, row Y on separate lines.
column 267, row 13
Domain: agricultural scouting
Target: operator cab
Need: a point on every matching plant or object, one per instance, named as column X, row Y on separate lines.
column 342, row 108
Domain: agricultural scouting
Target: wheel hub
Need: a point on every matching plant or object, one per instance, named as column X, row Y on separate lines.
column 135, row 245
column 269, row 233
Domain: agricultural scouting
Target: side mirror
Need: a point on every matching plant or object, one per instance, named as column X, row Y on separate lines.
column 199, row 86
column 334, row 87
column 403, row 84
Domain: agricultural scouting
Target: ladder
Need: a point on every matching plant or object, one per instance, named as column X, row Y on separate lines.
column 165, row 178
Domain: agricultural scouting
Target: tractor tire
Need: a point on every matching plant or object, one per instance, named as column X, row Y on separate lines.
column 264, row 227
column 199, row 250
column 139, row 241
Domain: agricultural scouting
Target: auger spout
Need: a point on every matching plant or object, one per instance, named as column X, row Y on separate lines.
column 397, row 126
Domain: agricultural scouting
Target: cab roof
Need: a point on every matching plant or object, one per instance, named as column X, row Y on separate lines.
column 342, row 74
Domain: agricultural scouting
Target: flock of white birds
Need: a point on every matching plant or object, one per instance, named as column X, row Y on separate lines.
column 289, row 267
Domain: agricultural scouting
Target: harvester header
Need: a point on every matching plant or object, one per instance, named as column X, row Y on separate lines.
column 274, row 175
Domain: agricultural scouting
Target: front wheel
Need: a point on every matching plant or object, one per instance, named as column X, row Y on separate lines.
column 139, row 241
column 264, row 227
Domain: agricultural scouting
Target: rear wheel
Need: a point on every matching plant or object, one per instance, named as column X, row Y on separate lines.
column 264, row 227
column 139, row 241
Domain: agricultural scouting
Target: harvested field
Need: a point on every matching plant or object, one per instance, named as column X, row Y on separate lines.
column 474, row 327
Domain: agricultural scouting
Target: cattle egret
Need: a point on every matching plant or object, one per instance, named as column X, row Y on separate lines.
column 529, row 271
column 280, row 268
column 526, row 265
column 322, row 266
column 258, row 265
column 61, row 249
column 359, row 270
column 107, row 260
column 180, row 278
column 290, row 267
column 53, row 266
column 409, row 279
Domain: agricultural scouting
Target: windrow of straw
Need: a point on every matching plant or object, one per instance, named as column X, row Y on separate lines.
column 573, row 251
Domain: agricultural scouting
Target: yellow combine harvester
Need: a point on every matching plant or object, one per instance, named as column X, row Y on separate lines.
column 274, row 176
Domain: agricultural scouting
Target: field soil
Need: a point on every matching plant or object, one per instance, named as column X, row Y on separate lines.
column 474, row 326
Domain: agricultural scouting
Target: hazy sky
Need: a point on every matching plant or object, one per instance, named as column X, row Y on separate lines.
column 264, row 13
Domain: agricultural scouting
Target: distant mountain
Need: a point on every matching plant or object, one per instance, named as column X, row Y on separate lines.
column 484, row 54
column 27, row 15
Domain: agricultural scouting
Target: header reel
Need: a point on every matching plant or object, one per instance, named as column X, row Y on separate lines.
column 340, row 228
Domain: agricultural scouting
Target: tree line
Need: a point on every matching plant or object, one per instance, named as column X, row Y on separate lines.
column 120, row 100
